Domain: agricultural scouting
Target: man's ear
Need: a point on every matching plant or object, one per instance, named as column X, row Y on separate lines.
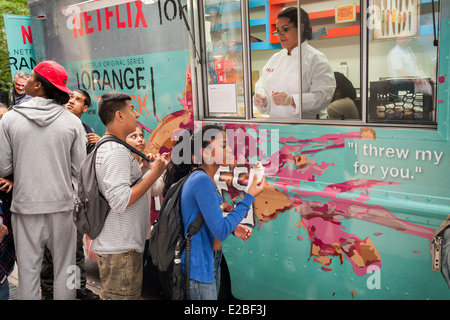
column 118, row 116
column 39, row 88
column 85, row 108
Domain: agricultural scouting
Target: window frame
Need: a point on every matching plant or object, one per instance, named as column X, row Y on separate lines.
column 199, row 75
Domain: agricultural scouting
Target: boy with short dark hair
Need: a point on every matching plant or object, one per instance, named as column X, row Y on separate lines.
column 79, row 103
column 120, row 245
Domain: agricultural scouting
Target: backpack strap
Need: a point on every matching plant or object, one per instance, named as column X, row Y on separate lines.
column 193, row 228
column 132, row 149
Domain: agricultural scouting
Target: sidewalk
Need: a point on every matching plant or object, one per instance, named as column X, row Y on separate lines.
column 14, row 285
column 151, row 289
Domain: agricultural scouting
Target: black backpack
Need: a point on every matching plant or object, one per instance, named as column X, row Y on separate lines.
column 167, row 242
column 91, row 208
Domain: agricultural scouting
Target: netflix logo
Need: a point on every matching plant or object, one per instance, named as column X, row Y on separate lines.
column 26, row 34
column 107, row 18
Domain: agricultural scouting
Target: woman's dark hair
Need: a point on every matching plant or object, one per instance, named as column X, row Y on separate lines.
column 182, row 164
column 87, row 97
column 345, row 87
column 51, row 91
column 292, row 15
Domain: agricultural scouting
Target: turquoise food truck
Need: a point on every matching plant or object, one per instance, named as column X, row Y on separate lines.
column 352, row 201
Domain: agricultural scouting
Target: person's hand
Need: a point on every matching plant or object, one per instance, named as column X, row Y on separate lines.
column 282, row 98
column 93, row 138
column 256, row 188
column 146, row 164
column 6, row 185
column 260, row 100
column 159, row 163
column 243, row 232
column 3, row 230
column 166, row 157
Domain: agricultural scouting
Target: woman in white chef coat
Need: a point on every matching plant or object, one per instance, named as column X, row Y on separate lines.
column 277, row 90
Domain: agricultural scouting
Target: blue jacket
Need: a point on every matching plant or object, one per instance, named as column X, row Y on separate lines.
column 200, row 194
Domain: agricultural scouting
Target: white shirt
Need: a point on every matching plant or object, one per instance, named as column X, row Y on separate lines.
column 402, row 58
column 402, row 61
column 125, row 228
column 281, row 74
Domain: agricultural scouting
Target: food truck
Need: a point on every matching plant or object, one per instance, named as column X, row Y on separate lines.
column 351, row 204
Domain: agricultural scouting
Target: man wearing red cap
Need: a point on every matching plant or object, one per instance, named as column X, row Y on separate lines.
column 42, row 144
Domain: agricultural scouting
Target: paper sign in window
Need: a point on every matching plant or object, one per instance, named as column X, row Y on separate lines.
column 222, row 98
column 345, row 14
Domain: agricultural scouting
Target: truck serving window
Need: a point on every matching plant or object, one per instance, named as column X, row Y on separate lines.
column 401, row 59
column 271, row 61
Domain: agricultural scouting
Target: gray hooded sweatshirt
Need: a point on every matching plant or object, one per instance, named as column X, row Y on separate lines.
column 43, row 145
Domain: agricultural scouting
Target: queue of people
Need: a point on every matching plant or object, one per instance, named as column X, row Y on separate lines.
column 42, row 145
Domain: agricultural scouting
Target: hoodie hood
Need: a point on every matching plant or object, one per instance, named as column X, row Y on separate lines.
column 40, row 110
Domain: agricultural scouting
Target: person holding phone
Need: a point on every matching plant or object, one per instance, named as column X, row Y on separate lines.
column 208, row 151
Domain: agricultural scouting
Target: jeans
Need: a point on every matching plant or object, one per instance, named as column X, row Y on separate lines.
column 207, row 291
column 4, row 290
column 217, row 260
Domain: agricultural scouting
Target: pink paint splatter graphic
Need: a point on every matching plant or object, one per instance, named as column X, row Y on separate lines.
column 298, row 162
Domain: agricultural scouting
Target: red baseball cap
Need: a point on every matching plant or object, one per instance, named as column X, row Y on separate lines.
column 54, row 73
